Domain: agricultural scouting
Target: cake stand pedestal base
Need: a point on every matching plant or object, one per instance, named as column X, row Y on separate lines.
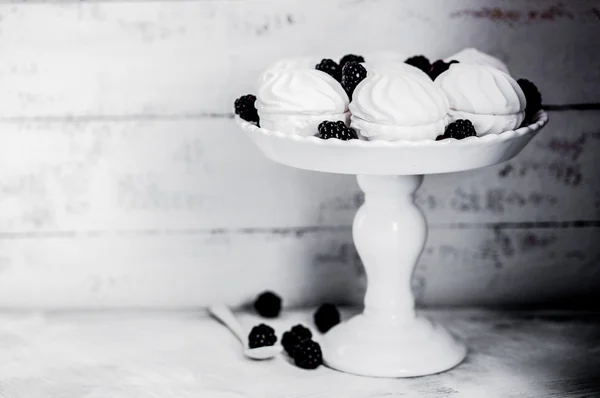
column 373, row 347
column 387, row 339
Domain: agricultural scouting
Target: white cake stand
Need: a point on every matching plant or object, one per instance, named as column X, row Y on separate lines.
column 389, row 231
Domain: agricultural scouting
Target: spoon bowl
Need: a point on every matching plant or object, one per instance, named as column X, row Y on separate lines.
column 226, row 317
column 261, row 353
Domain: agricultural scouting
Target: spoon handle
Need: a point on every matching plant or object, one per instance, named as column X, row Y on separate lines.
column 224, row 314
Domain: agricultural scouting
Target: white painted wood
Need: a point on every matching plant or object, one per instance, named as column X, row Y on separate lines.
column 124, row 184
column 188, row 355
column 196, row 57
column 204, row 174
column 178, row 270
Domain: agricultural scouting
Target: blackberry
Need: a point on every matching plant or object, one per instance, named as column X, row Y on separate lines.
column 352, row 74
column 330, row 67
column 261, row 336
column 461, row 128
column 268, row 305
column 351, row 58
column 301, row 331
column 532, row 96
column 419, row 61
column 326, row 317
column 308, row 355
column 293, row 337
column 337, row 130
column 439, row 67
column 245, row 108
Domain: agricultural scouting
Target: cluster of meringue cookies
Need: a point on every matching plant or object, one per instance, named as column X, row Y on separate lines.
column 385, row 96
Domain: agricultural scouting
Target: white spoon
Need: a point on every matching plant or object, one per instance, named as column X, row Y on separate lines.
column 224, row 314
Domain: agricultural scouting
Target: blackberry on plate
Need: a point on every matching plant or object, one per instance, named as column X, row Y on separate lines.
column 351, row 58
column 308, row 355
column 352, row 74
column 330, row 67
column 459, row 129
column 419, row 61
column 268, row 305
column 532, row 96
column 439, row 67
column 293, row 337
column 261, row 336
column 246, row 109
column 337, row 130
column 326, row 317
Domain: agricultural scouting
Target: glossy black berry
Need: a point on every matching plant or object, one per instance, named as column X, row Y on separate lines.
column 261, row 336
column 461, row 128
column 351, row 58
column 330, row 67
column 268, row 305
column 532, row 96
column 337, row 130
column 352, row 74
column 419, row 61
column 246, row 109
column 326, row 317
column 293, row 337
column 439, row 67
column 308, row 355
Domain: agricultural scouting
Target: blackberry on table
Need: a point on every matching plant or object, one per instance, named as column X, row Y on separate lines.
column 293, row 337
column 532, row 96
column 246, row 109
column 261, row 336
column 330, row 67
column 268, row 305
column 351, row 58
column 352, row 74
column 337, row 130
column 308, row 355
column 419, row 61
column 326, row 317
column 459, row 129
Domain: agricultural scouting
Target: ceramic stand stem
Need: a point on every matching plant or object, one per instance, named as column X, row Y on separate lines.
column 389, row 233
column 387, row 339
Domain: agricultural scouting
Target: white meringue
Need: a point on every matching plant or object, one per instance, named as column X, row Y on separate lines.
column 395, row 68
column 474, row 56
column 292, row 63
column 488, row 97
column 384, row 62
column 398, row 106
column 296, row 101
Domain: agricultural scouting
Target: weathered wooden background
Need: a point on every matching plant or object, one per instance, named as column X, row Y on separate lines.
column 125, row 183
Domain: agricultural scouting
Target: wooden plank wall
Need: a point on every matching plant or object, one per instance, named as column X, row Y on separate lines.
column 125, row 183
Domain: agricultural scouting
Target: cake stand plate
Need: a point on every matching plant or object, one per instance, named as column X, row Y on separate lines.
column 389, row 231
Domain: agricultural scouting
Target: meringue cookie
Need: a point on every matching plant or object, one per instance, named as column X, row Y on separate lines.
column 398, row 106
column 474, row 56
column 395, row 68
column 292, row 63
column 488, row 97
column 296, row 101
column 390, row 62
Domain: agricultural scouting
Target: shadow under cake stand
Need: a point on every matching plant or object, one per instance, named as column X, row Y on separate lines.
column 389, row 231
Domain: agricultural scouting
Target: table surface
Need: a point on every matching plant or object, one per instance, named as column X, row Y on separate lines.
column 187, row 354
